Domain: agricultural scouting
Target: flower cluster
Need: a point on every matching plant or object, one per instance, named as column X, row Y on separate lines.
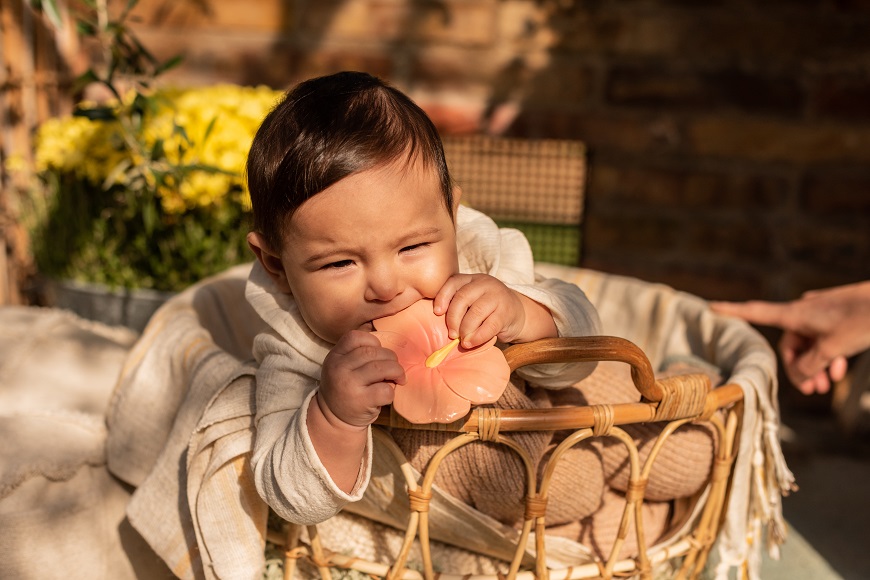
column 210, row 127
column 147, row 191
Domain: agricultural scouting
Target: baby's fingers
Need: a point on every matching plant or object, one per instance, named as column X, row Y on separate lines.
column 354, row 340
column 480, row 324
column 444, row 298
column 381, row 370
column 472, row 316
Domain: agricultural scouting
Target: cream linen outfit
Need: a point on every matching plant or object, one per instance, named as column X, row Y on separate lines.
column 288, row 473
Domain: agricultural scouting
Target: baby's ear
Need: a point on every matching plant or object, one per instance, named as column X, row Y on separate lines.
column 457, row 196
column 270, row 260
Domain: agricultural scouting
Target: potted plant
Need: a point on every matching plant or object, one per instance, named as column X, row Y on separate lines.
column 141, row 194
column 150, row 197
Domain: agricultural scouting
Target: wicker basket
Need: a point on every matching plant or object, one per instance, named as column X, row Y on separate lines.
column 538, row 187
column 673, row 401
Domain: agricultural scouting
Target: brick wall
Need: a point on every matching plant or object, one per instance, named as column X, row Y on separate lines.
column 729, row 141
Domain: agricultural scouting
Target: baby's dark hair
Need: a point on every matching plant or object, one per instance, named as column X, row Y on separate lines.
column 327, row 128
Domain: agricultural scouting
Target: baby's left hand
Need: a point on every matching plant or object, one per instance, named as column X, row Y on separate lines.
column 479, row 307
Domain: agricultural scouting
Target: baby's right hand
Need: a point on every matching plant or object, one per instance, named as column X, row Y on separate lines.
column 358, row 378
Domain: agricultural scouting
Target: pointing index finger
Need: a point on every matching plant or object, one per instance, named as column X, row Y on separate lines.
column 755, row 311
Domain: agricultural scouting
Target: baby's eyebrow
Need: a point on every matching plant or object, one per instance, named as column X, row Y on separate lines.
column 421, row 233
column 321, row 256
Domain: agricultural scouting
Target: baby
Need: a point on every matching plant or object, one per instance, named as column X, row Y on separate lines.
column 356, row 218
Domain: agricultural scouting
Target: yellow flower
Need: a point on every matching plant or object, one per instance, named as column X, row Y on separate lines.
column 208, row 127
column 170, row 200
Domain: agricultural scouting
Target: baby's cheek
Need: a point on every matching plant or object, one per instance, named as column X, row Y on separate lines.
column 434, row 275
column 327, row 323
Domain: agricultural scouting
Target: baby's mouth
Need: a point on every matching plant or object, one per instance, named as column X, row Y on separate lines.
column 367, row 326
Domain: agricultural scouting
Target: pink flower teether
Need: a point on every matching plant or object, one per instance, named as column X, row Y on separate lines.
column 443, row 379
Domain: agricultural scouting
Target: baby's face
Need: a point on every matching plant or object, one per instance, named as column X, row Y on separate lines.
column 369, row 246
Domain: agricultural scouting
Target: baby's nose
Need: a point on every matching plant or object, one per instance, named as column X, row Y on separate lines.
column 383, row 285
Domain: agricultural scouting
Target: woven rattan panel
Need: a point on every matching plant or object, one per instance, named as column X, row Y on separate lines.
column 535, row 186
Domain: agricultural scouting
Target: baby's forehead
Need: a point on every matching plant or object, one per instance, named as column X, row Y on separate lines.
column 378, row 192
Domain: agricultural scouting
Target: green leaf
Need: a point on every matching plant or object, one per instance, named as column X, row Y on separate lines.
column 179, row 130
column 157, row 152
column 209, row 129
column 110, row 74
column 141, row 51
column 189, row 167
column 99, row 113
column 86, row 28
column 141, row 104
column 149, row 217
column 84, row 79
column 168, row 64
column 107, row 82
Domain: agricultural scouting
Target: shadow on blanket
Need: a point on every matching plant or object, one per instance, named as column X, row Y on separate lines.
column 62, row 514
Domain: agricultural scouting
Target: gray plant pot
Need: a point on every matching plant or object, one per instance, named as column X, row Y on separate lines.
column 130, row 307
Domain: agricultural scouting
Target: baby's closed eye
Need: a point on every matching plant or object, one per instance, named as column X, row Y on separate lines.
column 338, row 265
column 413, row 247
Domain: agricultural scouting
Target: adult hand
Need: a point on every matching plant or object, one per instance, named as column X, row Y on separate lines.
column 822, row 329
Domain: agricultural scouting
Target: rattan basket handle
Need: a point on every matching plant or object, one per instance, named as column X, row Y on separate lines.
column 677, row 397
column 588, row 349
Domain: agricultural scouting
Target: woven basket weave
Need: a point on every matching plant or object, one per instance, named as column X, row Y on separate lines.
column 538, row 187
column 672, row 402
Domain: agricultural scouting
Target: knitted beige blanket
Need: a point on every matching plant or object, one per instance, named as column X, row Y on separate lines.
column 180, row 428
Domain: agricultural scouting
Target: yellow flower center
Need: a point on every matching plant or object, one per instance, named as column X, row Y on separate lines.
column 437, row 357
